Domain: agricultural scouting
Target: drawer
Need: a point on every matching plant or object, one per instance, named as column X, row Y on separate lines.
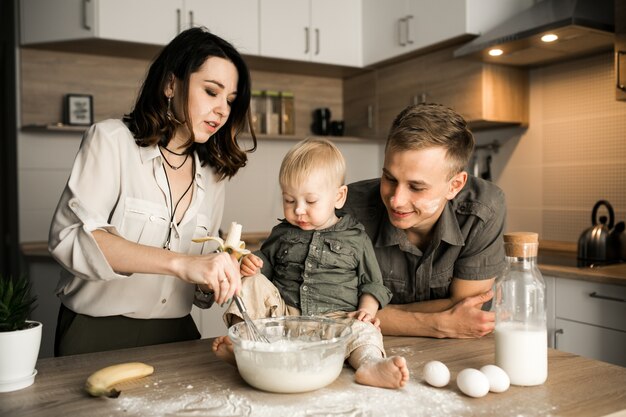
column 591, row 302
column 591, row 341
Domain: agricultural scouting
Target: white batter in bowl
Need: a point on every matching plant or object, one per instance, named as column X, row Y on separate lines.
column 305, row 353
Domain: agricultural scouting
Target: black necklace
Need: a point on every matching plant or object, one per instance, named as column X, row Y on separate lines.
column 174, row 153
column 175, row 207
column 168, row 162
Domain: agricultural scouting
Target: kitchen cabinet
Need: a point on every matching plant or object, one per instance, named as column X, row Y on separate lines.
column 322, row 31
column 151, row 22
column 404, row 26
column 360, row 106
column 486, row 95
column 589, row 319
column 620, row 50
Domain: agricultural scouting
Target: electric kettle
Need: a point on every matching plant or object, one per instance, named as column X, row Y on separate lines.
column 599, row 244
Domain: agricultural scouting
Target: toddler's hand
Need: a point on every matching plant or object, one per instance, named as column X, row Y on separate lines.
column 365, row 316
column 250, row 265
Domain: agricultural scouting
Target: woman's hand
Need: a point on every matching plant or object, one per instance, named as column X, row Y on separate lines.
column 218, row 272
column 251, row 265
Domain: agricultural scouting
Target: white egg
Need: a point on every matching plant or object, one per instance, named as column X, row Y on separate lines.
column 498, row 379
column 472, row 382
column 436, row 374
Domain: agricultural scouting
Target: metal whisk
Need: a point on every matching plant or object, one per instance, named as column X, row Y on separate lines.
column 255, row 334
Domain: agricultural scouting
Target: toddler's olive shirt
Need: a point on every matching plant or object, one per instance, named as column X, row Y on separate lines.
column 319, row 271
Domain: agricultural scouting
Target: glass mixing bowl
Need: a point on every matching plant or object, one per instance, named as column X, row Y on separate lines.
column 304, row 353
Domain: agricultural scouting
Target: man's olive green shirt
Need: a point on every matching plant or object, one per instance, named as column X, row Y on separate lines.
column 466, row 242
column 319, row 271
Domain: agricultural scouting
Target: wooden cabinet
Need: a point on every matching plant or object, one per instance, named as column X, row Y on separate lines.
column 620, row 50
column 323, row 31
column 360, row 108
column 404, row 26
column 486, row 95
column 153, row 22
column 588, row 319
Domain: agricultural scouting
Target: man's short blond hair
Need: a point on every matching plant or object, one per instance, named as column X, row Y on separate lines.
column 309, row 156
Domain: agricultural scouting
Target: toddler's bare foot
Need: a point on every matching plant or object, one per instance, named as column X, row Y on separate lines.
column 223, row 348
column 384, row 373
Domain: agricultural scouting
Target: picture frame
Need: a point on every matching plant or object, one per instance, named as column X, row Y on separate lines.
column 78, row 110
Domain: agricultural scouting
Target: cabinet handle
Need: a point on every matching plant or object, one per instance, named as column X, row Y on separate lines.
column 370, row 116
column 606, row 297
column 400, row 31
column 419, row 98
column 556, row 333
column 408, row 35
column 620, row 84
column 306, row 40
column 86, row 14
column 177, row 21
column 317, row 41
column 190, row 18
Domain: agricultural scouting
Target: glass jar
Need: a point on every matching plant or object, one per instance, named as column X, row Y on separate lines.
column 256, row 106
column 272, row 115
column 520, row 306
column 287, row 113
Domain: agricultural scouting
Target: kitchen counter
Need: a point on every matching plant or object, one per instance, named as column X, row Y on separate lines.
column 190, row 381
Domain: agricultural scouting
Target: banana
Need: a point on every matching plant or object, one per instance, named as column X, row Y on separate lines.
column 101, row 382
column 233, row 244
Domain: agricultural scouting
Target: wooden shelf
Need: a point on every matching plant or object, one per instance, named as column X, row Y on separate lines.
column 57, row 127
column 61, row 128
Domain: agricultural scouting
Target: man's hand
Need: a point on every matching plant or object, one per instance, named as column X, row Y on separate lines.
column 465, row 319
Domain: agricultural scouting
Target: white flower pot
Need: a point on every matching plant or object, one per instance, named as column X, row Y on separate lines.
column 18, row 355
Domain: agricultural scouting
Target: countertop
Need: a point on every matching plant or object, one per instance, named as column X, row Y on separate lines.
column 557, row 259
column 190, row 381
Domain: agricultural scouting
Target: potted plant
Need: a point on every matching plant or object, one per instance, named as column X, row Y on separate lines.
column 19, row 337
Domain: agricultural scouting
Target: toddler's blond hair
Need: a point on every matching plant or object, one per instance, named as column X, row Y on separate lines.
column 312, row 155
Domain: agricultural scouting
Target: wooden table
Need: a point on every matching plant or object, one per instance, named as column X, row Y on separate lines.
column 190, row 381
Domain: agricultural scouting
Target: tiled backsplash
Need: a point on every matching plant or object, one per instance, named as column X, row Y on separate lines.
column 572, row 155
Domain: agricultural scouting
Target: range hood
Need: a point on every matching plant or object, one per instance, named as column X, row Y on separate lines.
column 582, row 27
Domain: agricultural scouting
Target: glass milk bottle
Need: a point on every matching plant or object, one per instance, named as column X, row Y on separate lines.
column 520, row 306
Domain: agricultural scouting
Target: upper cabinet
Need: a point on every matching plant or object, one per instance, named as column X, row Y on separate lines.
column 404, row 26
column 237, row 21
column 142, row 21
column 322, row 31
column 152, row 22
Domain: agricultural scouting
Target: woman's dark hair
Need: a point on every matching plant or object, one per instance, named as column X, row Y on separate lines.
column 184, row 55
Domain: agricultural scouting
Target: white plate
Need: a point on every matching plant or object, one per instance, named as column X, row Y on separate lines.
column 7, row 386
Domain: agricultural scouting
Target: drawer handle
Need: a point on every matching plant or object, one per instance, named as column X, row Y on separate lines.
column 606, row 297
column 556, row 333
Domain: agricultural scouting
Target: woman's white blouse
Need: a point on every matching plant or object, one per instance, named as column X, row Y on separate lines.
column 118, row 186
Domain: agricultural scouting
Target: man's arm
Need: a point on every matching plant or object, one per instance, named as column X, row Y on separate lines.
column 459, row 316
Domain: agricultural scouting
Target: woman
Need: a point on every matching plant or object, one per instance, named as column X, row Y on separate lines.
column 140, row 190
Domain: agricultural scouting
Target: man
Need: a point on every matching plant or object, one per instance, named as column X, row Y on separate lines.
column 437, row 231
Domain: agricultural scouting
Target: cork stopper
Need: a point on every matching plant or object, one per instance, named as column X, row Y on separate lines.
column 521, row 244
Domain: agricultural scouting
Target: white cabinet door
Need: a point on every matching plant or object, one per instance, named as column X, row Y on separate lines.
column 237, row 21
column 397, row 27
column 591, row 341
column 384, row 29
column 142, row 21
column 153, row 22
column 47, row 21
column 336, row 32
column 325, row 31
column 285, row 29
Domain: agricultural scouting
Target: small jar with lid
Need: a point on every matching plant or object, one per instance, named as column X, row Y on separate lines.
column 256, row 107
column 272, row 115
column 287, row 113
column 520, row 305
